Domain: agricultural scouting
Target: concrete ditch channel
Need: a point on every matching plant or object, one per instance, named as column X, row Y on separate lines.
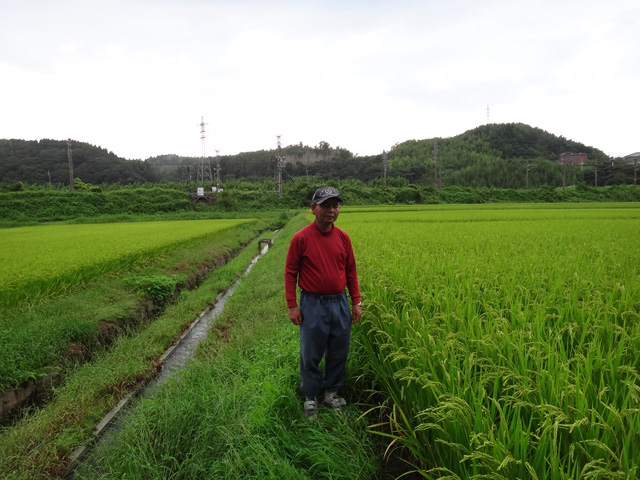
column 174, row 359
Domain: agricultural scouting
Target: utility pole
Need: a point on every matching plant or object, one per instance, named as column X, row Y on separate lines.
column 633, row 158
column 70, row 164
column 385, row 167
column 529, row 167
column 279, row 165
column 595, row 171
column 217, row 170
column 487, row 113
column 564, row 173
column 437, row 181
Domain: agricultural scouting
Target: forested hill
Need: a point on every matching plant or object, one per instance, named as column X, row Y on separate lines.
column 510, row 155
column 47, row 161
column 505, row 141
column 517, row 140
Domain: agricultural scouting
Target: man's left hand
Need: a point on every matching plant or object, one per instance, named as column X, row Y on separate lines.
column 356, row 313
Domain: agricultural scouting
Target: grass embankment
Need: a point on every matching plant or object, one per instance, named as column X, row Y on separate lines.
column 37, row 446
column 236, row 411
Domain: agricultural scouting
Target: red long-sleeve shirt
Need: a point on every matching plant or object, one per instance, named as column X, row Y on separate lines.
column 322, row 263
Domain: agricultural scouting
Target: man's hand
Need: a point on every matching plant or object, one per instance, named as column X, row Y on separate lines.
column 356, row 313
column 294, row 315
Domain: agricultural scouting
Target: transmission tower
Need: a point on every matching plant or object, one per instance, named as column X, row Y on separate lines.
column 279, row 165
column 204, row 168
column 487, row 113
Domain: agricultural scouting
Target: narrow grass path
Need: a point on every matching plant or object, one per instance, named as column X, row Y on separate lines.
column 235, row 411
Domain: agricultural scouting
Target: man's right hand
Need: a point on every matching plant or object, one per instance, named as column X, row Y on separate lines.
column 294, row 315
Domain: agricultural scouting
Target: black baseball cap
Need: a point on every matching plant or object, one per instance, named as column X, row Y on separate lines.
column 325, row 193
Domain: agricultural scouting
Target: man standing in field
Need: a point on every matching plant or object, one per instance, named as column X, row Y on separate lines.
column 321, row 261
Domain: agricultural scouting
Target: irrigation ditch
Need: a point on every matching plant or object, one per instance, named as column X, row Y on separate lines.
column 83, row 461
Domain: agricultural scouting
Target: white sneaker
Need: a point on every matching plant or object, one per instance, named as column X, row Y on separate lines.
column 335, row 402
column 311, row 409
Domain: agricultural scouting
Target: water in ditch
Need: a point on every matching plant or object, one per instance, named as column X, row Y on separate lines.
column 174, row 360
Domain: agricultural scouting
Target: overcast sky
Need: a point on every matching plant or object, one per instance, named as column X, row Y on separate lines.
column 136, row 76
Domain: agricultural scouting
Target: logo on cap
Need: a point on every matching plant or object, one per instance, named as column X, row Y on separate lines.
column 323, row 193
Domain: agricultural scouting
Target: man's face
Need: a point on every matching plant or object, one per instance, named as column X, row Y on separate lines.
column 327, row 212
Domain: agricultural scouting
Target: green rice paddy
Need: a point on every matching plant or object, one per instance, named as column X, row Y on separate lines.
column 38, row 261
column 507, row 340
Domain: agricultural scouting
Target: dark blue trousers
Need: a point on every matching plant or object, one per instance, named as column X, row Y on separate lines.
column 325, row 331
